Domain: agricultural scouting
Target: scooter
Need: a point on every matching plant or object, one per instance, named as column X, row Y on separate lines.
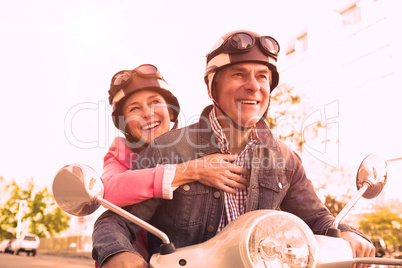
column 262, row 238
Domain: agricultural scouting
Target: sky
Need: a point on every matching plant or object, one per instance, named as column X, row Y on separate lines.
column 57, row 58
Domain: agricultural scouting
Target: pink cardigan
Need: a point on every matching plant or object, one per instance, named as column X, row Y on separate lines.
column 124, row 186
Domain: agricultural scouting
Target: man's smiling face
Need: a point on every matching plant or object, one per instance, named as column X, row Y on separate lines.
column 242, row 91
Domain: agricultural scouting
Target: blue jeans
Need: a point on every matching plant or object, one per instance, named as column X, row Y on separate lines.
column 112, row 234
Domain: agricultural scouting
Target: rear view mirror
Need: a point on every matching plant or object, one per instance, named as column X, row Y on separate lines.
column 372, row 171
column 76, row 187
column 79, row 191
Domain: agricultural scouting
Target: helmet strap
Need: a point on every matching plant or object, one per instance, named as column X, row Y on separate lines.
column 266, row 111
column 175, row 125
column 133, row 139
column 233, row 123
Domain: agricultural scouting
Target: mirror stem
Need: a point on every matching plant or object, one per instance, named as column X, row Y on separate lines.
column 395, row 159
column 136, row 220
column 350, row 204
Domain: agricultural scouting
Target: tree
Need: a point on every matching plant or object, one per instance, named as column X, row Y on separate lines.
column 284, row 111
column 383, row 224
column 287, row 119
column 46, row 224
column 42, row 216
column 333, row 184
column 8, row 212
column 334, row 206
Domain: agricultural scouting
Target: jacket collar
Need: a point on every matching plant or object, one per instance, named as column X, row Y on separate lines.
column 207, row 141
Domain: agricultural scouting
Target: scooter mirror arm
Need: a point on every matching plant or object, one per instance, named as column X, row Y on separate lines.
column 394, row 159
column 350, row 205
column 376, row 261
column 165, row 248
column 379, row 261
column 136, row 220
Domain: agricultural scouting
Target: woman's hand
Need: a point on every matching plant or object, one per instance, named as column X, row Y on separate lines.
column 214, row 170
column 360, row 247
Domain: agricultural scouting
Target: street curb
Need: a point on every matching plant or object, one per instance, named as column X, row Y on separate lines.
column 68, row 254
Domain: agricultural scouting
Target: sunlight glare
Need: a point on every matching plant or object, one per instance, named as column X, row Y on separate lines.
column 90, row 31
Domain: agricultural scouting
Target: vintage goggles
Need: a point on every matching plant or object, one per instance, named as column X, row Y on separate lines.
column 123, row 78
column 128, row 81
column 243, row 42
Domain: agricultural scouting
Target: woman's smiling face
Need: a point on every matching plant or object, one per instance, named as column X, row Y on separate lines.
column 147, row 115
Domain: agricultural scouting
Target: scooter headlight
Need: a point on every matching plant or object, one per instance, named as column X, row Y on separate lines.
column 280, row 239
column 260, row 238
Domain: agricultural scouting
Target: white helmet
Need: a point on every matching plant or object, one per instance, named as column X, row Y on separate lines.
column 240, row 46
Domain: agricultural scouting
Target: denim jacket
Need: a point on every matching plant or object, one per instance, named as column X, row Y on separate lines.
column 277, row 181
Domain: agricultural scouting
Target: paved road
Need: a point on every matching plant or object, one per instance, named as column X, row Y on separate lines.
column 41, row 260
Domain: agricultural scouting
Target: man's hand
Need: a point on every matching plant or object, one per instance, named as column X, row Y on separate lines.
column 125, row 260
column 360, row 247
